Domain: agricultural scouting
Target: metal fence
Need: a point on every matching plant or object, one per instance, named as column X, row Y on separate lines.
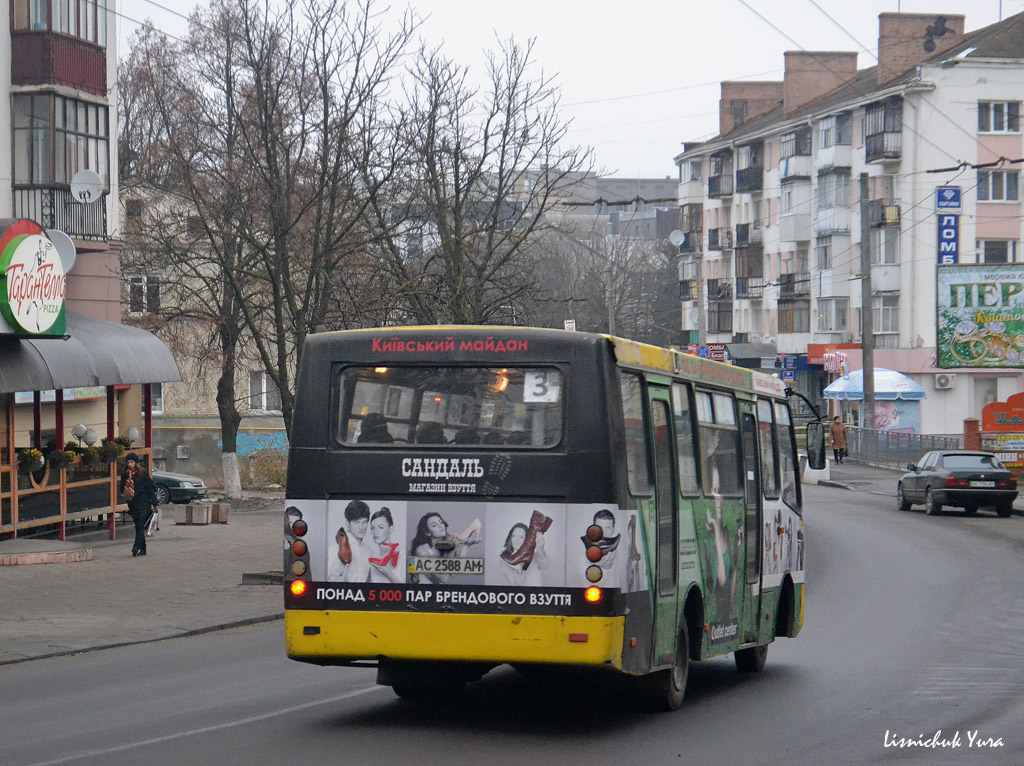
column 892, row 448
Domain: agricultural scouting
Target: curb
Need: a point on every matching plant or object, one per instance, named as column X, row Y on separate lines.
column 841, row 485
column 165, row 637
column 46, row 557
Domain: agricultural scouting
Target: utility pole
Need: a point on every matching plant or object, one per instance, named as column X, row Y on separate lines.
column 702, row 297
column 867, row 308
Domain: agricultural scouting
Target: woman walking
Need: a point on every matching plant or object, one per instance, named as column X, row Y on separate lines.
column 837, row 430
column 138, row 490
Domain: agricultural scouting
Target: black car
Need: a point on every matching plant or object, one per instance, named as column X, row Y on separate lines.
column 177, row 487
column 965, row 479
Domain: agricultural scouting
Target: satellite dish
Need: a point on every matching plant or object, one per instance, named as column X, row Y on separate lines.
column 677, row 237
column 86, row 186
column 694, row 315
column 65, row 248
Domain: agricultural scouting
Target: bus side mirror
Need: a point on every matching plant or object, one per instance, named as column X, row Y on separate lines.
column 815, row 445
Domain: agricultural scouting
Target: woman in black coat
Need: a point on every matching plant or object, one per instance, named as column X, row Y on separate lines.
column 139, row 491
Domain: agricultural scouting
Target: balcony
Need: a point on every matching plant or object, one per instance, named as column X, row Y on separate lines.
column 720, row 186
column 57, row 209
column 720, row 290
column 720, row 239
column 882, row 213
column 795, row 227
column 749, row 287
column 795, row 168
column 795, row 285
column 747, row 234
column 833, row 220
column 691, row 191
column 883, row 146
column 750, row 179
column 687, row 289
column 45, row 58
column 750, row 263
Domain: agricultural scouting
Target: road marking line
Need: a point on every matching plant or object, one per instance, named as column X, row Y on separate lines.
column 205, row 729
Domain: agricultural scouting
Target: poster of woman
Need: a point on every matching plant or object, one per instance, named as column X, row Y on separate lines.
column 365, row 541
column 445, row 543
column 527, row 547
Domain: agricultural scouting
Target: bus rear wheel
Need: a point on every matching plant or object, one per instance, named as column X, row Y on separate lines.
column 663, row 690
column 751, row 660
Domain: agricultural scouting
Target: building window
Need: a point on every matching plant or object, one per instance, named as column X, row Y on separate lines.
column 833, row 314
column 78, row 135
column 886, row 313
column 833, row 190
column 885, row 246
column 133, row 209
column 824, row 251
column 143, row 294
column 998, row 185
column 263, row 393
column 797, row 143
column 996, row 250
column 794, row 316
column 156, row 391
column 999, row 116
column 835, row 131
column 84, row 19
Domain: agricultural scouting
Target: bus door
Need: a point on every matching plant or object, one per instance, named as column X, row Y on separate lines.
column 752, row 522
column 666, row 597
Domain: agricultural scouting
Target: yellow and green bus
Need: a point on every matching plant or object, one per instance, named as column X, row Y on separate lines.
column 463, row 497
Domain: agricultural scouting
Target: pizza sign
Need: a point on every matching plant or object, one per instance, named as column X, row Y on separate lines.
column 33, row 284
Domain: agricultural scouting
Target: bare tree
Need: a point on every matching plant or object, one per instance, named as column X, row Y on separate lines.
column 483, row 167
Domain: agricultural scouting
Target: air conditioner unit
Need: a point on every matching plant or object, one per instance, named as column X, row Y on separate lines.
column 945, row 380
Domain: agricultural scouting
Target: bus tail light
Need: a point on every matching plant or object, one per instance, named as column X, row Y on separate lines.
column 593, row 594
column 299, row 568
column 299, row 548
column 299, row 528
column 594, row 553
column 594, row 573
column 298, row 587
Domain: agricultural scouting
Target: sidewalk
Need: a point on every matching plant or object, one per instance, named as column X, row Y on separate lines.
column 190, row 582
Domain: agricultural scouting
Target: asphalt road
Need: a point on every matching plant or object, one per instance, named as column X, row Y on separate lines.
column 912, row 626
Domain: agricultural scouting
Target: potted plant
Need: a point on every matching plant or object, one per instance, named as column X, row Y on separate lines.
column 73, row 446
column 60, row 459
column 110, row 451
column 30, row 459
column 124, row 442
column 91, row 457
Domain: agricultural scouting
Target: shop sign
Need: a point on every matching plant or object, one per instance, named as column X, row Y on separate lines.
column 949, row 239
column 33, row 284
column 981, row 316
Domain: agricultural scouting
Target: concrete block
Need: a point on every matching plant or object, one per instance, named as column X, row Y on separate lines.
column 193, row 513
column 220, row 513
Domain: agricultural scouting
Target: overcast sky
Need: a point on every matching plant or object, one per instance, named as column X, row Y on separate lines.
column 639, row 78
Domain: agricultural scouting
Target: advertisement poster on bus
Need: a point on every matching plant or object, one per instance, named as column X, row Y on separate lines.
column 981, row 316
column 469, row 548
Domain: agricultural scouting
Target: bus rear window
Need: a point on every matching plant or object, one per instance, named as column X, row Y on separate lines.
column 399, row 406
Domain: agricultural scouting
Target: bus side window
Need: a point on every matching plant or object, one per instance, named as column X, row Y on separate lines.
column 769, row 449
column 686, row 455
column 788, row 465
column 719, row 444
column 637, row 465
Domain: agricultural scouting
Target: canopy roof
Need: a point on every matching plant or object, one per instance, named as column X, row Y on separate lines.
column 96, row 353
column 889, row 384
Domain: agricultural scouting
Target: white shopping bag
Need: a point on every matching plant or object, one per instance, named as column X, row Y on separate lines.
column 154, row 523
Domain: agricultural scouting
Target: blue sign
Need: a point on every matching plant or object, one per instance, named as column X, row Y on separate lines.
column 788, row 376
column 947, row 198
column 949, row 239
column 703, row 352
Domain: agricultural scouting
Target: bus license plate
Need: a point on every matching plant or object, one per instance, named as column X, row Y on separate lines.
column 983, row 483
column 441, row 565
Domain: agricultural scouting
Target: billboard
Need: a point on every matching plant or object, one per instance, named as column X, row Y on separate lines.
column 980, row 316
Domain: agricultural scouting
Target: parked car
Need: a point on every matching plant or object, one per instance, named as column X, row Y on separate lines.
column 965, row 479
column 178, row 487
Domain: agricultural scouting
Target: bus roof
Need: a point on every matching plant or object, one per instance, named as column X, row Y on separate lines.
column 627, row 352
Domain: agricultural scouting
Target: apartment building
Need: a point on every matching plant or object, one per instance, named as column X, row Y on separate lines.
column 774, row 217
column 68, row 369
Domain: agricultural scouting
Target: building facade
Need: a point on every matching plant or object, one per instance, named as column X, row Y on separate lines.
column 70, row 373
column 775, row 219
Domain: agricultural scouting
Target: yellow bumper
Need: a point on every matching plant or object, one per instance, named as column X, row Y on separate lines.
column 458, row 637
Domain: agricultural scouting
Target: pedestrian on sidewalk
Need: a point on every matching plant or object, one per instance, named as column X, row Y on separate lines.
column 837, row 431
column 138, row 490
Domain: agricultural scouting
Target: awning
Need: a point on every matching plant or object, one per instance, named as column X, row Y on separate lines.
column 889, row 385
column 96, row 353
